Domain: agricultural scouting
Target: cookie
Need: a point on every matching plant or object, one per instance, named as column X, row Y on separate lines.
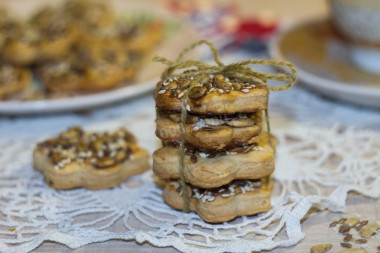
column 14, row 81
column 20, row 45
column 56, row 34
column 211, row 95
column 62, row 76
column 105, row 64
column 88, row 69
column 90, row 160
column 210, row 132
column 244, row 197
column 209, row 170
column 89, row 15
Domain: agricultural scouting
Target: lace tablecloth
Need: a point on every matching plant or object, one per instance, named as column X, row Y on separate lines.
column 325, row 150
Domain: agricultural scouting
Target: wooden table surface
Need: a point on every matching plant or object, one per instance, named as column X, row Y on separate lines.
column 316, row 227
column 316, row 224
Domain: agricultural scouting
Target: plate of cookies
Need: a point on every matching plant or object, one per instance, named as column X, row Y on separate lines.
column 80, row 54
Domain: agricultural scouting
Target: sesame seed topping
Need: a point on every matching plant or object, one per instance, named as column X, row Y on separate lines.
column 245, row 90
column 188, row 108
column 203, row 155
column 161, row 92
column 181, row 94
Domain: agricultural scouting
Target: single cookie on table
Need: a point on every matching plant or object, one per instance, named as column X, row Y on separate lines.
column 210, row 131
column 213, row 95
column 91, row 160
column 14, row 81
column 209, row 169
column 240, row 197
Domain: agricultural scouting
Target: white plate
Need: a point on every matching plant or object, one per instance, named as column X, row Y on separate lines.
column 321, row 77
column 146, row 81
column 76, row 103
column 147, row 76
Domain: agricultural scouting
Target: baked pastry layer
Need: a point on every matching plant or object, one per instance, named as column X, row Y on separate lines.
column 210, row 132
column 90, row 160
column 206, row 172
column 220, row 206
column 211, row 95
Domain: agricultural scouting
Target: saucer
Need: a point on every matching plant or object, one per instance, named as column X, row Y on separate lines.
column 323, row 63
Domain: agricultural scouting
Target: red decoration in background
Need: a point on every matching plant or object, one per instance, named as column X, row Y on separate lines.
column 215, row 21
column 254, row 29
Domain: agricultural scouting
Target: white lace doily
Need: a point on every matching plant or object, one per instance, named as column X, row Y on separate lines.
column 316, row 166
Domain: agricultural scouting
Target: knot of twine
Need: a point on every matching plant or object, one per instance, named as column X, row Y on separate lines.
column 238, row 70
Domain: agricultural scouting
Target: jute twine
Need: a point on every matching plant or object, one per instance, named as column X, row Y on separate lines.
column 239, row 71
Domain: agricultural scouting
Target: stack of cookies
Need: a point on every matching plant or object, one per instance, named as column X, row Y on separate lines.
column 227, row 156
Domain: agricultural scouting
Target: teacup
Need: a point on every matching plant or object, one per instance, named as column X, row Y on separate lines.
column 359, row 22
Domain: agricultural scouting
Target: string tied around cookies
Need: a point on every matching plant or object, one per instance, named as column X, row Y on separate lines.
column 240, row 71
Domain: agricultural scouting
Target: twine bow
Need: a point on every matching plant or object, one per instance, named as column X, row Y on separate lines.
column 238, row 70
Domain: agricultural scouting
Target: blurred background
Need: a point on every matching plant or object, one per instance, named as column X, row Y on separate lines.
column 54, row 50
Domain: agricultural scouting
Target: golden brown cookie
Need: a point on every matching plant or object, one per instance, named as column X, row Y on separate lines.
column 56, row 34
column 210, row 132
column 91, row 160
column 89, row 15
column 90, row 68
column 222, row 204
column 13, row 81
column 105, row 65
column 20, row 45
column 212, row 95
column 209, row 170
column 62, row 76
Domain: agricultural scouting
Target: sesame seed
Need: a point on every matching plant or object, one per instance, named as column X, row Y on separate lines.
column 181, row 94
column 161, row 92
column 220, row 91
column 245, row 90
column 165, row 84
column 188, row 108
column 203, row 155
